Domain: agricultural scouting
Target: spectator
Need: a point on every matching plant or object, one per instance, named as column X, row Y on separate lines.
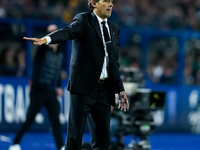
column 45, row 86
column 8, row 65
column 20, row 58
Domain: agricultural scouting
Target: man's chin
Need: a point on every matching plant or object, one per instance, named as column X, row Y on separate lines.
column 108, row 15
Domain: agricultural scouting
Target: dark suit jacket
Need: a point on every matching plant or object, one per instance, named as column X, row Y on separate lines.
column 88, row 53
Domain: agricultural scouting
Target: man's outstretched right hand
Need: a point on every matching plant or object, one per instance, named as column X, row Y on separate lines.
column 36, row 41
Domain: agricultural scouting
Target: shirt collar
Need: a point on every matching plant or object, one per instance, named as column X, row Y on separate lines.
column 100, row 20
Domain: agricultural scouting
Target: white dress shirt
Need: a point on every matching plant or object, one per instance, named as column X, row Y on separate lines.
column 104, row 72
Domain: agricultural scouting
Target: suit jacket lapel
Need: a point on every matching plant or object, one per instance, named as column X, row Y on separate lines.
column 112, row 34
column 95, row 24
column 111, row 31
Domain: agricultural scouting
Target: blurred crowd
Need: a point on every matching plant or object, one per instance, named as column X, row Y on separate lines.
column 161, row 61
column 59, row 10
column 12, row 61
column 163, row 14
column 162, row 56
column 192, row 62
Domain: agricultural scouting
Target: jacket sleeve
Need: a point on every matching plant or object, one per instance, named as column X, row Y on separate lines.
column 72, row 31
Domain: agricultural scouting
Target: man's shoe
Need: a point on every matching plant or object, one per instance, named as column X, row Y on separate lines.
column 15, row 147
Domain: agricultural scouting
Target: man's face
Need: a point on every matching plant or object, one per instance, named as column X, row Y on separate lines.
column 103, row 8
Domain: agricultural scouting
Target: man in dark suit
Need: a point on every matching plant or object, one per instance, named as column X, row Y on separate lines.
column 94, row 73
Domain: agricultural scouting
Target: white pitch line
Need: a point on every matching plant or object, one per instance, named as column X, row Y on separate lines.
column 5, row 138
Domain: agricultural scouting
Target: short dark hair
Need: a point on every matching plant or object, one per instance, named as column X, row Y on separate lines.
column 90, row 5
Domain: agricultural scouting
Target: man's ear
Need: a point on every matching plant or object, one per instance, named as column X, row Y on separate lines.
column 93, row 2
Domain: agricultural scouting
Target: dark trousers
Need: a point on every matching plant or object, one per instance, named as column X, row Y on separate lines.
column 48, row 99
column 96, row 108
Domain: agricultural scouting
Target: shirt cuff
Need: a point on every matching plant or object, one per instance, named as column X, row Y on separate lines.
column 48, row 38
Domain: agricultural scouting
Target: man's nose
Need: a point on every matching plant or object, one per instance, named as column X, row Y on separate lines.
column 110, row 4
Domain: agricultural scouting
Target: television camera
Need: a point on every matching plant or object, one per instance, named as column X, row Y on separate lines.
column 138, row 120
